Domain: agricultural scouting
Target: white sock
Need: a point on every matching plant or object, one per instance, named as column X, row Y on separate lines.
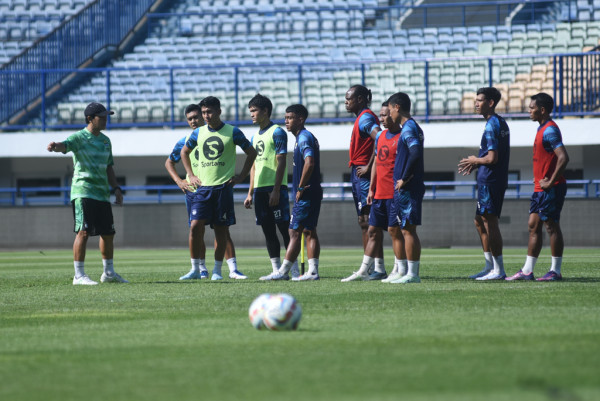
column 366, row 265
column 498, row 264
column 413, row 268
column 107, row 264
column 379, row 265
column 403, row 266
column 313, row 266
column 79, row 270
column 395, row 269
column 276, row 263
column 232, row 263
column 217, row 268
column 556, row 264
column 202, row 265
column 196, row 264
column 285, row 267
column 529, row 265
column 489, row 261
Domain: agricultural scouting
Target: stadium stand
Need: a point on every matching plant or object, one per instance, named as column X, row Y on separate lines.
column 235, row 48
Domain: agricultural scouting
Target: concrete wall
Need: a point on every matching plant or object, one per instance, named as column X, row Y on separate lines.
column 445, row 223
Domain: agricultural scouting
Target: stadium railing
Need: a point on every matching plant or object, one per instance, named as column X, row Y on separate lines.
column 576, row 88
column 333, row 191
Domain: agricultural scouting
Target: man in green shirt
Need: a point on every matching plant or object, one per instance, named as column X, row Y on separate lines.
column 90, row 192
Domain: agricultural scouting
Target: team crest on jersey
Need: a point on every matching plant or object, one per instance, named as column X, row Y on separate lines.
column 213, row 148
column 260, row 148
column 383, row 153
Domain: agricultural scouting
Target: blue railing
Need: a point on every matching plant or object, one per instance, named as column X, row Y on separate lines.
column 576, row 89
column 101, row 25
column 337, row 191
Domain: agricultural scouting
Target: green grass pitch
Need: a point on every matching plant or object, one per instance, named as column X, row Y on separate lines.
column 156, row 338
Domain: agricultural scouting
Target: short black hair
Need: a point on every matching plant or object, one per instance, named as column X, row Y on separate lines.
column 192, row 107
column 385, row 104
column 401, row 99
column 360, row 90
column 262, row 103
column 490, row 93
column 544, row 100
column 211, row 102
column 298, row 110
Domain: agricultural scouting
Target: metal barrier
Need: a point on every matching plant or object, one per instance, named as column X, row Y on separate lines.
column 334, row 191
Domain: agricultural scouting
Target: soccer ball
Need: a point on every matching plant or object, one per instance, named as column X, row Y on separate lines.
column 257, row 310
column 282, row 312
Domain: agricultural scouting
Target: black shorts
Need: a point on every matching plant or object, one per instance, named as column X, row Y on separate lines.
column 93, row 216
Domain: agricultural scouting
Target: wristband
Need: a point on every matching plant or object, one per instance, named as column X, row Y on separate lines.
column 300, row 189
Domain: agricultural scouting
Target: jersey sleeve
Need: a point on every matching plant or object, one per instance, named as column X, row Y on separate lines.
column 110, row 161
column 192, row 141
column 175, row 155
column 552, row 137
column 492, row 130
column 377, row 141
column 306, row 145
column 72, row 143
column 280, row 138
column 410, row 137
column 366, row 124
column 240, row 139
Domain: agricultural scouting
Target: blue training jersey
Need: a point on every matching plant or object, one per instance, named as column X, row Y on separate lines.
column 411, row 141
column 175, row 155
column 366, row 124
column 552, row 138
column 496, row 137
column 307, row 145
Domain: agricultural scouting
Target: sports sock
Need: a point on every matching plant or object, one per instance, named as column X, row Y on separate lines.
column 276, row 263
column 313, row 266
column 395, row 269
column 498, row 264
column 366, row 265
column 196, row 265
column 529, row 265
column 489, row 261
column 202, row 265
column 379, row 265
column 232, row 263
column 217, row 268
column 413, row 268
column 109, row 269
column 556, row 264
column 403, row 266
column 79, row 270
column 285, row 267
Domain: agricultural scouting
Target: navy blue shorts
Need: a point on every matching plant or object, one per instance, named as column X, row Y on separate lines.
column 490, row 199
column 548, row 204
column 406, row 208
column 306, row 213
column 360, row 190
column 272, row 215
column 214, row 205
column 380, row 213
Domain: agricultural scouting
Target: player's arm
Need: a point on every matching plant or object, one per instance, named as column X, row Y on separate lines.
column 307, row 170
column 112, row 181
column 187, row 164
column 250, row 157
column 170, row 166
column 248, row 200
column 281, row 164
column 468, row 164
column 372, row 186
column 57, row 147
column 562, row 159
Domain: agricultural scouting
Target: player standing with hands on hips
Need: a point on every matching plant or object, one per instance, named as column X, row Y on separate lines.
column 90, row 192
column 550, row 159
column 492, row 180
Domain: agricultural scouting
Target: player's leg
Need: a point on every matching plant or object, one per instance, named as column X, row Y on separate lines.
column 197, row 221
column 495, row 242
column 231, row 259
column 80, row 244
column 273, row 245
column 553, row 201
column 485, row 245
column 401, row 264
column 375, row 239
column 412, row 246
column 313, row 251
column 221, row 234
column 284, row 228
column 534, row 247
column 107, row 251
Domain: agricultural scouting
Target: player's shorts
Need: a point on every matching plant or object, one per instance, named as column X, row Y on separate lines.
column 490, row 199
column 406, row 208
column 548, row 204
column 306, row 213
column 272, row 215
column 380, row 213
column 360, row 191
column 212, row 204
column 93, row 216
